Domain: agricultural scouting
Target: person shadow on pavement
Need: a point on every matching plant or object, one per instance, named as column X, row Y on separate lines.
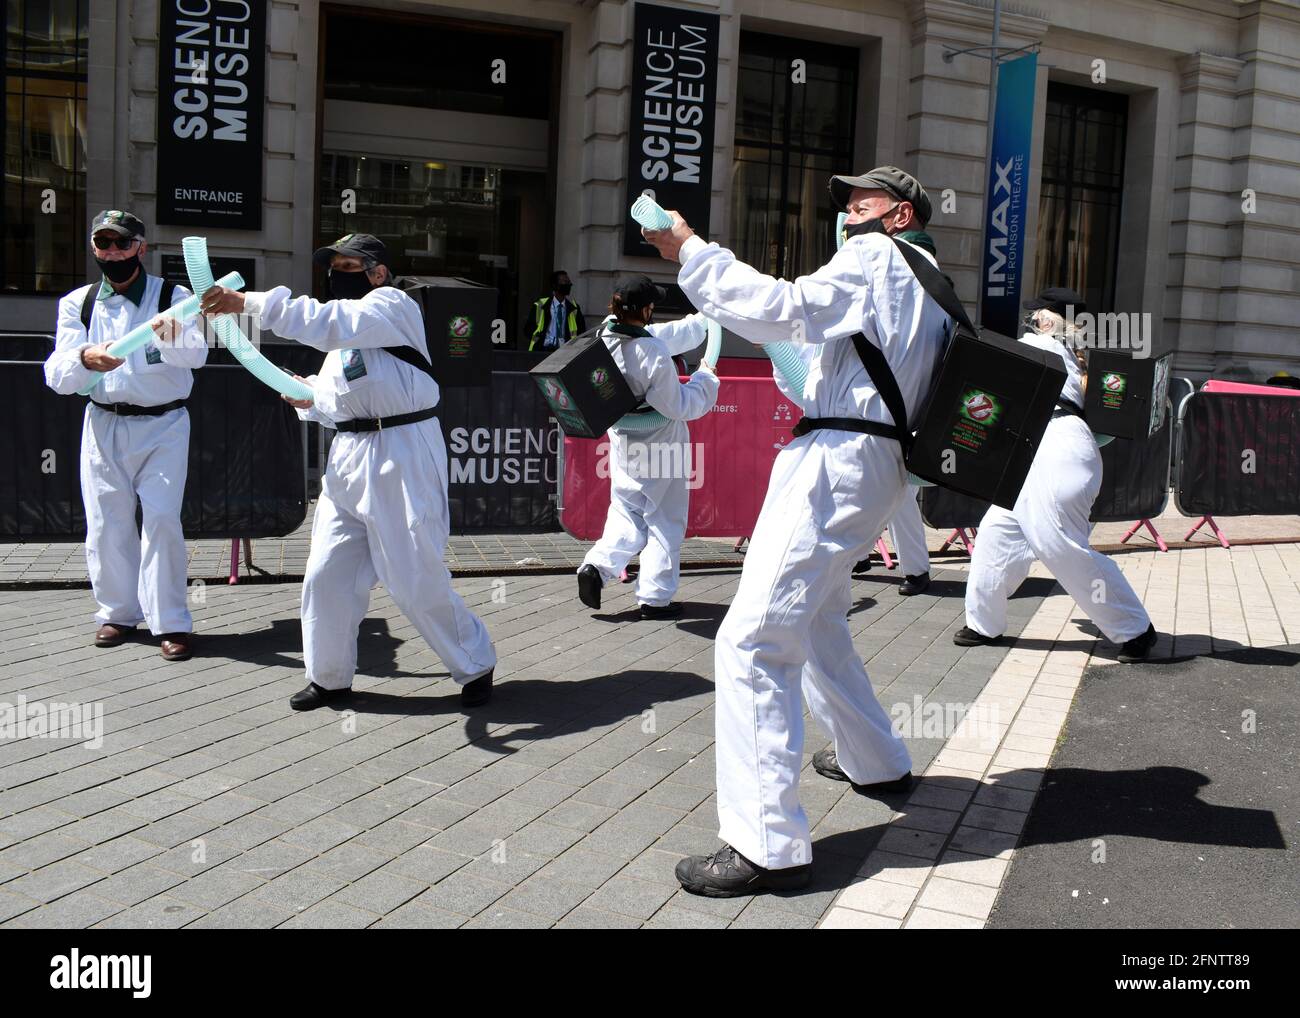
column 1160, row 803
column 531, row 710
column 281, row 644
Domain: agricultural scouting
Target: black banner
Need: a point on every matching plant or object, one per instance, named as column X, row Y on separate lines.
column 1239, row 455
column 245, row 476
column 501, row 456
column 670, row 133
column 211, row 96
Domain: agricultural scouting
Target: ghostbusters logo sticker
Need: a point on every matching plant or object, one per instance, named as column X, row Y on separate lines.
column 978, row 413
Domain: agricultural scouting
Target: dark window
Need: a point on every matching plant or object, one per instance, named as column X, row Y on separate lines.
column 790, row 137
column 44, row 124
column 438, row 65
column 1083, row 179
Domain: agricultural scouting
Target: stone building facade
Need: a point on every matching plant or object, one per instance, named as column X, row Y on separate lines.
column 1199, row 220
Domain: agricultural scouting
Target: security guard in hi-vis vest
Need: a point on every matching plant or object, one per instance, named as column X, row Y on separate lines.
column 554, row 320
column 135, row 440
column 382, row 514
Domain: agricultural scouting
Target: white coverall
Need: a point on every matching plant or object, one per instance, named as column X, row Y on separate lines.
column 649, row 471
column 382, row 514
column 830, row 494
column 1050, row 523
column 907, row 531
column 137, row 576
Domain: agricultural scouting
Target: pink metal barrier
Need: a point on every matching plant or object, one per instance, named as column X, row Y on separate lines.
column 733, row 447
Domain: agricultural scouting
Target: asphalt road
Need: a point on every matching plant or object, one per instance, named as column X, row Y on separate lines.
column 1160, row 810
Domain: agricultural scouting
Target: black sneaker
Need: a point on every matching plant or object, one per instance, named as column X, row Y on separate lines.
column 913, row 585
column 967, row 637
column 1139, row 647
column 825, row 764
column 665, row 611
column 314, row 696
column 476, row 692
column 864, row 566
column 728, row 874
column 589, row 584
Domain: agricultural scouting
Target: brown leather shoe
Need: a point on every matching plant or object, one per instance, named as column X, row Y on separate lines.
column 176, row 647
column 110, row 635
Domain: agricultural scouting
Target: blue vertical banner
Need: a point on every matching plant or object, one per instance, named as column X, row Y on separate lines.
column 1008, row 191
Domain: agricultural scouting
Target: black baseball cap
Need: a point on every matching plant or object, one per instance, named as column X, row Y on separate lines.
column 638, row 291
column 1057, row 298
column 369, row 248
column 901, row 184
column 122, row 223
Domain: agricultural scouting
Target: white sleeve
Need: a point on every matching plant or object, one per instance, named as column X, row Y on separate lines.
column 378, row 319
column 806, row 354
column 313, row 414
column 190, row 350
column 681, row 336
column 676, row 400
column 827, row 305
column 64, row 372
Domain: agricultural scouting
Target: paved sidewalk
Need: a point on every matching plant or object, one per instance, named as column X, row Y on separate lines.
column 566, row 801
column 947, row 850
column 284, row 559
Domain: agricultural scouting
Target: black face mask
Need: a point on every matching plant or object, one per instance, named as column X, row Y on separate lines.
column 119, row 271
column 876, row 225
column 563, row 289
column 349, row 285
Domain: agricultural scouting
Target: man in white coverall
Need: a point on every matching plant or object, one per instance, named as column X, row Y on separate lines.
column 382, row 514
column 831, row 492
column 135, row 441
column 649, row 470
column 907, row 531
column 1050, row 518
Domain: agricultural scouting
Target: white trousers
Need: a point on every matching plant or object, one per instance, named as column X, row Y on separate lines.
column 830, row 494
column 649, row 501
column 137, row 575
column 907, row 532
column 382, row 516
column 1050, row 523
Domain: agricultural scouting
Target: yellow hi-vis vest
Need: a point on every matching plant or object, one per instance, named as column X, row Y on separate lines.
column 572, row 328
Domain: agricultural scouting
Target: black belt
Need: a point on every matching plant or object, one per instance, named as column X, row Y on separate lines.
column 845, row 424
column 1064, row 408
column 380, row 423
column 130, row 410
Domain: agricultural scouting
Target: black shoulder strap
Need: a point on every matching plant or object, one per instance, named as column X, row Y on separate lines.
column 166, row 293
column 412, row 357
column 88, row 306
column 873, row 359
column 882, row 376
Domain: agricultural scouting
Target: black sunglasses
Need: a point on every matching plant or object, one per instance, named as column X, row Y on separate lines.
column 123, row 243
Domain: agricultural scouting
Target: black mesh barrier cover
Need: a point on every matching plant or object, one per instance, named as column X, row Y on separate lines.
column 944, row 509
column 1239, row 455
column 1134, row 477
column 245, row 474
